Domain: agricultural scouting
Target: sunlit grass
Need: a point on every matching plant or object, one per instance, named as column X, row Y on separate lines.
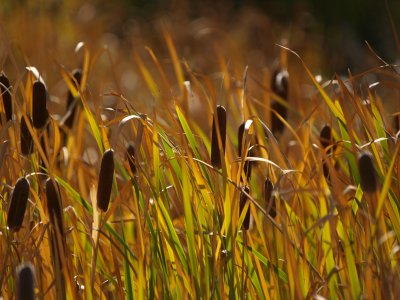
column 186, row 219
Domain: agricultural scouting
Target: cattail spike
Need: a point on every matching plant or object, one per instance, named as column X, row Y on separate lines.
column 54, row 205
column 40, row 114
column 368, row 180
column 269, row 198
column 280, row 87
column 325, row 136
column 19, row 200
column 243, row 201
column 25, row 282
column 26, row 137
column 240, row 138
column 218, row 129
column 6, row 95
column 71, row 103
column 105, row 180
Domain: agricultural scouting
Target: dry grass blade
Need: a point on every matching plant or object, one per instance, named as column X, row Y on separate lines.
column 269, row 198
column 280, row 87
column 26, row 137
column 243, row 201
column 71, row 102
column 130, row 156
column 19, row 200
column 6, row 95
column 25, row 282
column 218, row 137
column 40, row 115
column 105, row 180
column 368, row 178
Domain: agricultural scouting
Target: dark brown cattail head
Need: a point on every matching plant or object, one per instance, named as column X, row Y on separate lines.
column 248, row 165
column 105, row 180
column 26, row 137
column 240, row 138
column 5, row 92
column 40, row 115
column 368, row 180
column 243, row 201
column 25, row 282
column 218, row 129
column 19, row 200
column 130, row 156
column 325, row 136
column 280, row 87
column 71, row 103
column 54, row 205
column 269, row 198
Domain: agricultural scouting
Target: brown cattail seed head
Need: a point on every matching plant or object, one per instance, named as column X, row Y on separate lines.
column 325, row 136
column 130, row 155
column 25, row 282
column 269, row 199
column 54, row 206
column 240, row 138
column 6, row 95
column 71, row 103
column 366, row 168
column 105, row 180
column 280, row 87
column 218, row 128
column 26, row 137
column 243, row 201
column 40, row 114
column 19, row 200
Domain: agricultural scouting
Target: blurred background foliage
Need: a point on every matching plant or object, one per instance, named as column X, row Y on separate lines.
column 330, row 36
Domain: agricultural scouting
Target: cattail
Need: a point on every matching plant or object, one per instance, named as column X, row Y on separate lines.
column 240, row 138
column 326, row 140
column 218, row 129
column 366, row 168
column 269, row 198
column 26, row 137
column 54, row 205
column 25, row 289
column 325, row 136
column 105, row 180
column 71, row 103
column 279, row 86
column 130, row 155
column 57, row 237
column 6, row 95
column 40, row 114
column 19, row 200
column 243, row 201
column 248, row 165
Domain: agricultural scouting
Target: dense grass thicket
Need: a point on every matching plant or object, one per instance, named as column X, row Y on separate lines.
column 191, row 160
